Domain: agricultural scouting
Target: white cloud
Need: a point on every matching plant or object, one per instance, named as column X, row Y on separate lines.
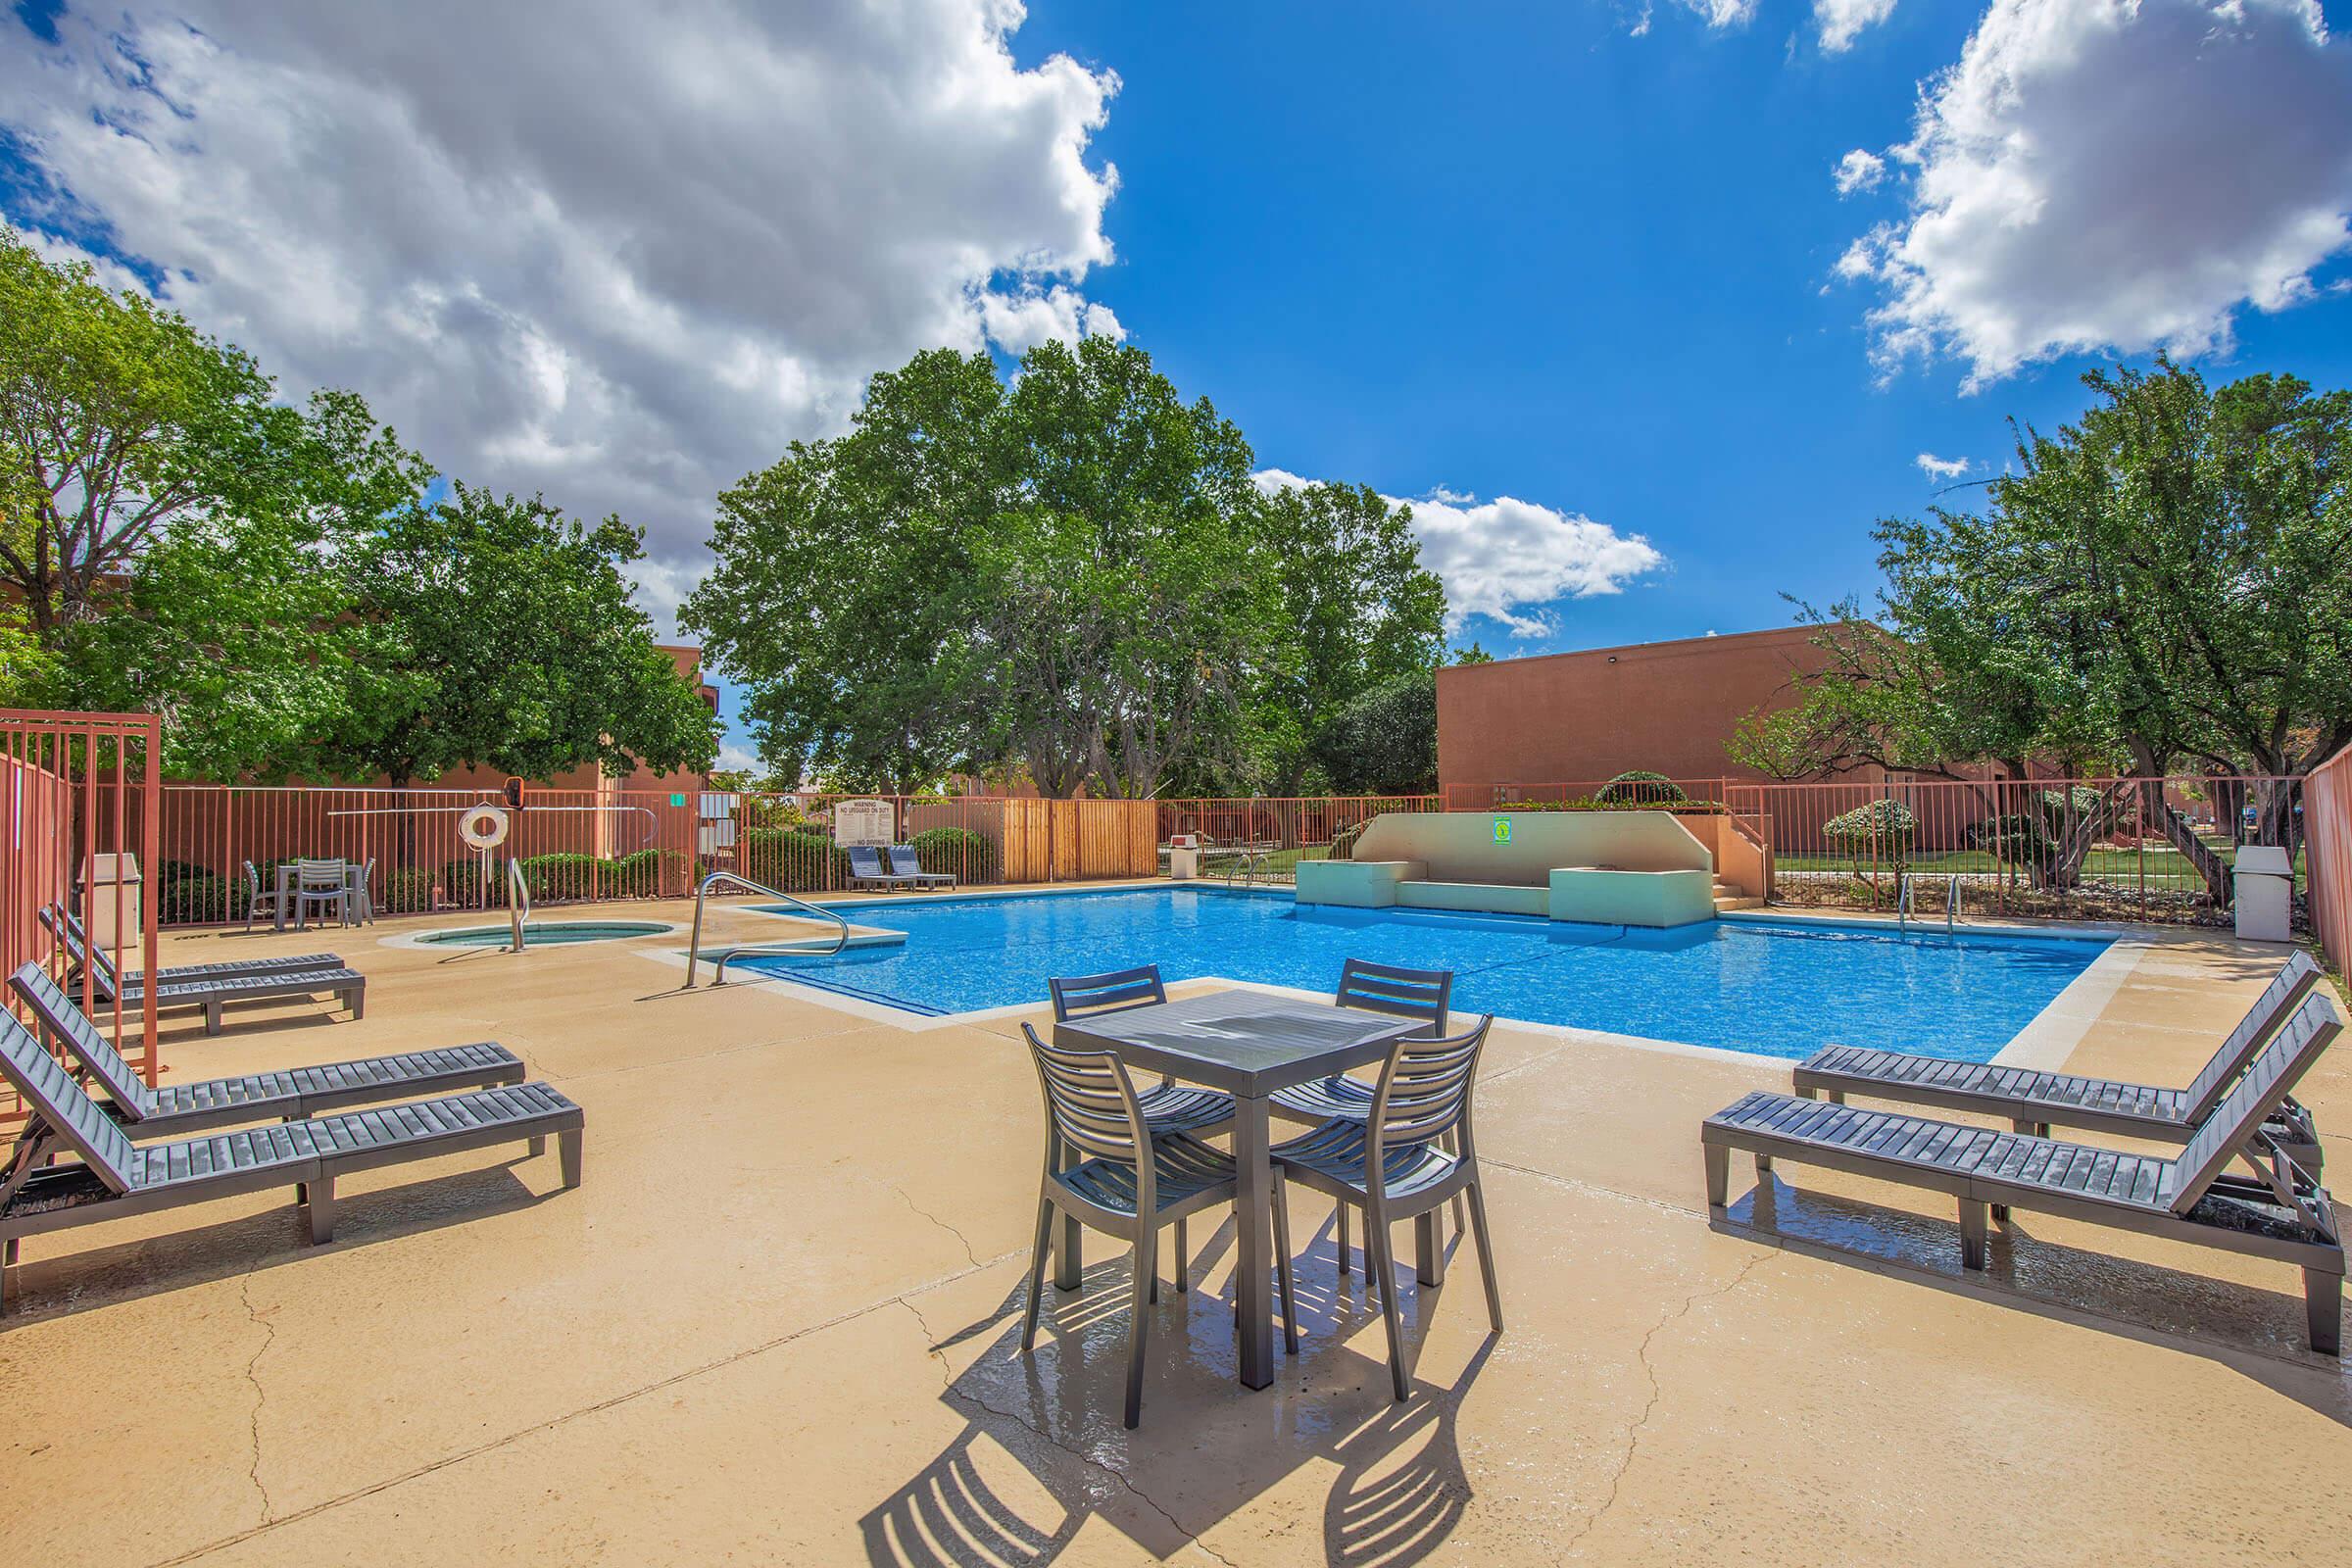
column 618, row 252
column 2118, row 174
column 1936, row 468
column 1858, row 170
column 1505, row 558
column 1840, row 21
column 1720, row 14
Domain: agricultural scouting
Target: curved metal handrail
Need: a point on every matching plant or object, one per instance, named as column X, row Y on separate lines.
column 718, row 975
column 1902, row 901
column 518, row 901
column 1951, row 904
column 1247, row 868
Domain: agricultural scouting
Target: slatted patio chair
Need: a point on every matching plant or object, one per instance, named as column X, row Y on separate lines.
column 1168, row 1105
column 258, row 900
column 1413, row 1153
column 1127, row 1183
column 362, row 894
column 321, row 885
column 105, row 978
column 1423, row 994
column 2034, row 1101
column 906, row 866
column 211, row 989
column 867, row 870
column 185, row 1107
column 115, row 1178
column 2280, row 1212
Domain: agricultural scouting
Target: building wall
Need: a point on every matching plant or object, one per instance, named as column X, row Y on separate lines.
column 1586, row 716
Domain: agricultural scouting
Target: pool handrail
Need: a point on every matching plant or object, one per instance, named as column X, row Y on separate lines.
column 518, row 899
column 702, row 893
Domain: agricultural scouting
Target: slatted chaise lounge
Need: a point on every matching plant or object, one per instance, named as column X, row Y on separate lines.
column 2281, row 1213
column 211, row 989
column 908, row 867
column 867, row 872
column 186, row 1107
column 68, row 935
column 115, row 1178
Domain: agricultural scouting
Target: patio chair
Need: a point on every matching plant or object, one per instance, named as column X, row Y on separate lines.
column 321, row 885
column 867, row 872
column 363, row 895
column 1416, row 1152
column 2279, row 1212
column 115, row 1178
column 299, row 1092
column 1423, row 994
column 258, row 900
column 68, row 934
column 2034, row 1101
column 1168, row 1106
column 905, row 866
column 1129, row 1184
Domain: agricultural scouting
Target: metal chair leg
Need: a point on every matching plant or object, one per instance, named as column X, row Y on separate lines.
column 1486, row 1254
column 1037, row 1275
column 1139, row 1322
column 1342, row 1229
column 1376, row 1246
column 1184, row 1260
column 1282, row 1263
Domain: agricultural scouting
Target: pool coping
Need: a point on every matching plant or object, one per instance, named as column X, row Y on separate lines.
column 2043, row 1043
column 437, row 939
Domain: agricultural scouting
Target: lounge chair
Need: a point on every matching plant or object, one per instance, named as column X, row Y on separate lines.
column 905, row 866
column 104, row 977
column 186, row 1107
column 2281, row 1213
column 867, row 870
column 116, row 1178
column 2034, row 1101
column 211, row 989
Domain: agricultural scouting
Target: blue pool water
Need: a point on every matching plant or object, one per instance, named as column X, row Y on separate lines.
column 1779, row 988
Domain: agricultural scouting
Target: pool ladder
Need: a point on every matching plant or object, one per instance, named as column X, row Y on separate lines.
column 1951, row 902
column 1247, row 868
column 518, row 901
column 718, row 973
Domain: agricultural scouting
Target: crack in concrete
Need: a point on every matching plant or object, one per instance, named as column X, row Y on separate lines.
column 260, row 1396
column 1641, row 1423
column 951, row 1391
column 961, row 1239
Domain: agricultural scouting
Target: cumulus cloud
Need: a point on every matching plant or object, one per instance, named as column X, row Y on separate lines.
column 1840, row 21
column 1718, row 13
column 2120, row 174
column 1858, row 170
column 1507, row 558
column 1936, row 468
column 618, row 252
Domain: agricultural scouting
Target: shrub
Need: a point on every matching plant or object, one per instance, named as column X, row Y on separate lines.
column 1879, row 830
column 462, row 881
column 2016, row 839
column 409, row 891
column 1640, row 786
column 958, row 852
column 639, row 874
column 792, row 860
column 190, row 895
column 563, row 875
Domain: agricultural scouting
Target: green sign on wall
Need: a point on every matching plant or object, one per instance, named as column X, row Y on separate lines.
column 677, row 800
column 1503, row 830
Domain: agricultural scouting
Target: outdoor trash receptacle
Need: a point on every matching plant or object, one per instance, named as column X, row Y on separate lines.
column 1184, row 858
column 98, row 896
column 2265, row 886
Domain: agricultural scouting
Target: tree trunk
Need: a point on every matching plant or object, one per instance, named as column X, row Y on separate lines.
column 2183, row 835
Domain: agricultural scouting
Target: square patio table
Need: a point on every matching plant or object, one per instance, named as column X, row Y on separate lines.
column 353, row 876
column 1249, row 1044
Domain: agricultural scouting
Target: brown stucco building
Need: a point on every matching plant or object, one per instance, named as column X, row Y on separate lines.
column 1583, row 717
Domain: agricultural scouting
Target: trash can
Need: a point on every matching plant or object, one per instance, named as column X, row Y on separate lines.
column 2265, row 887
column 1184, row 858
column 108, row 873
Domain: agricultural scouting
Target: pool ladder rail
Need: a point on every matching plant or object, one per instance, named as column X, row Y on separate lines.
column 718, row 973
column 1248, row 866
column 518, row 901
column 1951, row 902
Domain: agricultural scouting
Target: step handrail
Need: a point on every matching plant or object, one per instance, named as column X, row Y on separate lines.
column 718, row 974
column 518, row 901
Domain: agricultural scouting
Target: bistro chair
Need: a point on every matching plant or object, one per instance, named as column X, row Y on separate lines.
column 1126, row 1183
column 320, row 885
column 256, row 901
column 1413, row 1153
column 1169, row 1106
column 1422, row 994
column 362, row 894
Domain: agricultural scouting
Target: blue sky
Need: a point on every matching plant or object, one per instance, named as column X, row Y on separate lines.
column 1586, row 273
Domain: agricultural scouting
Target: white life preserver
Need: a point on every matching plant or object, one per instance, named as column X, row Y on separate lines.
column 483, row 826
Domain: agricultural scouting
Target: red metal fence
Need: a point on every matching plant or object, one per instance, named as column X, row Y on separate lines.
column 2327, row 830
column 77, row 826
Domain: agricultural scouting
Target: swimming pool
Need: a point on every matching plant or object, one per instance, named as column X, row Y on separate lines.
column 1780, row 989
column 544, row 934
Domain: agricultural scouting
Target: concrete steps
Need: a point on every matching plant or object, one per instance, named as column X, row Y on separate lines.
column 1728, row 897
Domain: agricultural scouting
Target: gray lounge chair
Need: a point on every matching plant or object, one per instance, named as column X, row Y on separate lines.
column 211, row 989
column 115, row 1178
column 867, row 870
column 70, row 935
column 908, row 867
column 2280, row 1212
column 295, row 1092
column 2034, row 1101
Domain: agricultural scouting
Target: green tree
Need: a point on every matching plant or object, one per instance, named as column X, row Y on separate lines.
column 1385, row 741
column 521, row 645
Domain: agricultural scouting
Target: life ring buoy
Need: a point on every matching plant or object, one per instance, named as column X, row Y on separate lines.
column 484, row 827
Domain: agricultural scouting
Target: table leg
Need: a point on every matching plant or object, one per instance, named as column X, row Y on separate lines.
column 1069, row 1264
column 284, row 883
column 1251, row 1257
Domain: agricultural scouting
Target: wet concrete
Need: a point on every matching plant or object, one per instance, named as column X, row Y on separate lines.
column 779, row 1322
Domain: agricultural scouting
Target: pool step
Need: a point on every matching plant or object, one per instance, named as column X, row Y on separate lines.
column 1728, row 897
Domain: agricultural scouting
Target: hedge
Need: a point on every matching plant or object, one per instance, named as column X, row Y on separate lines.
column 1640, row 785
column 1881, row 830
column 958, row 852
column 792, row 860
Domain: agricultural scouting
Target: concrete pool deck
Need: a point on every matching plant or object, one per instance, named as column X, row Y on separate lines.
column 778, row 1322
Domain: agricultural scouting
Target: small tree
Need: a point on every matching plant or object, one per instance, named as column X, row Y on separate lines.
column 1642, row 787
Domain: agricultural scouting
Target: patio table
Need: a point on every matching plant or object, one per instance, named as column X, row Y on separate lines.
column 354, row 874
column 1249, row 1044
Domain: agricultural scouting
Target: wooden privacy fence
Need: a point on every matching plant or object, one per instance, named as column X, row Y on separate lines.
column 78, row 830
column 2328, row 846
